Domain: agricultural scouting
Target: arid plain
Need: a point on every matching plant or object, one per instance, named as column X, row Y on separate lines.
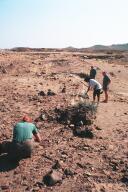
column 99, row 164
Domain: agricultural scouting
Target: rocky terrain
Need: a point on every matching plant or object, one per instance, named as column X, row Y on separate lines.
column 77, row 164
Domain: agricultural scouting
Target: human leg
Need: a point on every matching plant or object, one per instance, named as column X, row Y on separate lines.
column 105, row 89
column 98, row 95
column 5, row 147
column 106, row 95
column 20, row 151
column 94, row 95
column 98, row 98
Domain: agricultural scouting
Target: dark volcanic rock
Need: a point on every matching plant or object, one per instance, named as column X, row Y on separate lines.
column 41, row 93
column 83, row 132
column 50, row 93
column 56, row 165
column 52, row 178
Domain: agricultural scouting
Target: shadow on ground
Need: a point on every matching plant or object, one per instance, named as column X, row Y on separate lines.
column 6, row 164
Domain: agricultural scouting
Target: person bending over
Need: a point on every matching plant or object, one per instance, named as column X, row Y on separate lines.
column 96, row 86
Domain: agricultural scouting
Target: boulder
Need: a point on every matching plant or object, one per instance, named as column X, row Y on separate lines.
column 52, row 178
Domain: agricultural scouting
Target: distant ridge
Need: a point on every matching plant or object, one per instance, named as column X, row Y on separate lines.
column 25, row 49
column 118, row 47
column 121, row 47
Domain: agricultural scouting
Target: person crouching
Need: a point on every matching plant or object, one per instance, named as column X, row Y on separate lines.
column 24, row 135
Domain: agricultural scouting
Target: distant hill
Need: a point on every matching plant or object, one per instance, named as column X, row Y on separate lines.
column 121, row 47
column 116, row 47
column 28, row 49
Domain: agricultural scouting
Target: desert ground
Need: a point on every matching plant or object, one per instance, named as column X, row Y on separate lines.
column 99, row 164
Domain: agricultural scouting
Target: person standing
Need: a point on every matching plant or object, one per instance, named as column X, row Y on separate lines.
column 92, row 73
column 96, row 86
column 106, row 82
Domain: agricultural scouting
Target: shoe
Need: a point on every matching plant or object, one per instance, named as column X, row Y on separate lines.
column 105, row 101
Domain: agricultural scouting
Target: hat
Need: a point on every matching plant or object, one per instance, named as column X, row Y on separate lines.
column 104, row 73
column 27, row 118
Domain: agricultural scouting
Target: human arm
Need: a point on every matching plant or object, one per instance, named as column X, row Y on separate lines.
column 37, row 137
column 14, row 134
column 36, row 134
column 88, row 89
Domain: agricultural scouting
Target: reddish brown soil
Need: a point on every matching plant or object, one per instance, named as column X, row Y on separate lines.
column 97, row 165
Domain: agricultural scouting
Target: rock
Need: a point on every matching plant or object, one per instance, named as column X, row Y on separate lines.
column 43, row 117
column 71, row 125
column 64, row 90
column 4, row 70
column 87, row 174
column 34, row 189
column 50, row 92
column 68, row 172
column 57, row 165
column 83, row 132
column 124, row 179
column 110, row 147
column 112, row 74
column 98, row 128
column 4, row 187
column 52, row 178
column 80, row 123
column 102, row 189
column 39, row 184
column 41, row 93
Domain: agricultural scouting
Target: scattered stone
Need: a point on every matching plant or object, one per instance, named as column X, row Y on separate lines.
column 39, row 184
column 4, row 187
column 80, row 123
column 83, row 132
column 41, row 93
column 110, row 147
column 98, row 128
column 68, row 172
column 52, row 178
column 64, row 89
column 71, row 125
column 112, row 74
column 57, row 165
column 50, row 93
column 102, row 189
column 87, row 174
column 4, row 70
column 43, row 117
column 124, row 179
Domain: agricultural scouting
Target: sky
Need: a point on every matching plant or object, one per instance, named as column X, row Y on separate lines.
column 62, row 23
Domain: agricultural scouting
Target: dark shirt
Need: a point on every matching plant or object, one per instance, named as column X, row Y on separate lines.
column 92, row 73
column 106, row 81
